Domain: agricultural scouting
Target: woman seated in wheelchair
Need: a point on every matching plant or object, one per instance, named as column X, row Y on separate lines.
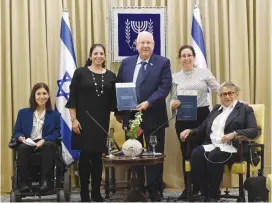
column 40, row 124
column 224, row 123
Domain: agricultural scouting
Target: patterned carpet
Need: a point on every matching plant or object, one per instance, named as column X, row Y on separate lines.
column 119, row 196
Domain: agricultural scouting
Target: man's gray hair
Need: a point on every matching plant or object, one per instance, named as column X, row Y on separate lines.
column 144, row 33
column 229, row 84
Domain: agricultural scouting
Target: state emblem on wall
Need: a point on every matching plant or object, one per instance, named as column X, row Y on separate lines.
column 127, row 22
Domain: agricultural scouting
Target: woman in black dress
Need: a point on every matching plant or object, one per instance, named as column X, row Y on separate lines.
column 92, row 91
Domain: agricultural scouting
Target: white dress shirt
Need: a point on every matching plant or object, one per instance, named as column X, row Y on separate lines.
column 137, row 68
column 38, row 122
column 218, row 127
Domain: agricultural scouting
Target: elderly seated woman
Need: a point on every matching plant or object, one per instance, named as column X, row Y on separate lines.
column 39, row 124
column 223, row 124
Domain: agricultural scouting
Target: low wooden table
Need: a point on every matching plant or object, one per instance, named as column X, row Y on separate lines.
column 134, row 195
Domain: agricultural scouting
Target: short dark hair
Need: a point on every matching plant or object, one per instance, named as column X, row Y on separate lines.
column 32, row 100
column 186, row 46
column 89, row 61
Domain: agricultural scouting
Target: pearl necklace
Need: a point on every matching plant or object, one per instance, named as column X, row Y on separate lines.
column 102, row 84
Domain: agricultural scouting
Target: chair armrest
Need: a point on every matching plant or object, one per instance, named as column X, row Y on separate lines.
column 238, row 142
column 241, row 138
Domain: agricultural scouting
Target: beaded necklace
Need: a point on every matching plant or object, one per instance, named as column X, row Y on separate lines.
column 102, row 84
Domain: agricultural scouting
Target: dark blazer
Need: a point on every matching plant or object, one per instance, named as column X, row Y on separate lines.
column 241, row 119
column 24, row 124
column 154, row 88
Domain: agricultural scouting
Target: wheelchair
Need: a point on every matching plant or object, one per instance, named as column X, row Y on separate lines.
column 60, row 180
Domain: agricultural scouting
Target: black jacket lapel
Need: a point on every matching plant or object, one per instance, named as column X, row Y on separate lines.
column 233, row 114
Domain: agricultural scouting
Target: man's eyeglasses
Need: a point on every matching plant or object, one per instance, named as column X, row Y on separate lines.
column 186, row 55
column 225, row 94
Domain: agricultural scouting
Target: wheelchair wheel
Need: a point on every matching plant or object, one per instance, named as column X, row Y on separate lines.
column 61, row 196
column 14, row 197
column 67, row 185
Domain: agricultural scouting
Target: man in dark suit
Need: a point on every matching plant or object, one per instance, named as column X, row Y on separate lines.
column 220, row 128
column 152, row 75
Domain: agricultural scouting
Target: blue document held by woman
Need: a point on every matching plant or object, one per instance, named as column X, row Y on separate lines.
column 188, row 107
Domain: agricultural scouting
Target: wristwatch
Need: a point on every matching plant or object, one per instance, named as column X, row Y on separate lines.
column 73, row 119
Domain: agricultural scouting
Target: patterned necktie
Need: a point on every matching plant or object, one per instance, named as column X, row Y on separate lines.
column 140, row 78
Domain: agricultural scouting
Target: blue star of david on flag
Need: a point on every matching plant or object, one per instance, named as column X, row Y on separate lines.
column 61, row 92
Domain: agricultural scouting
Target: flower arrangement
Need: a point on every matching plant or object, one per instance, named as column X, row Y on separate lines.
column 135, row 129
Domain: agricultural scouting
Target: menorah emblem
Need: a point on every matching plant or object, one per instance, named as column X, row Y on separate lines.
column 137, row 26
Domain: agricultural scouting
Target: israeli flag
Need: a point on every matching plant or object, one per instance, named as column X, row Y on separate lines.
column 66, row 71
column 197, row 39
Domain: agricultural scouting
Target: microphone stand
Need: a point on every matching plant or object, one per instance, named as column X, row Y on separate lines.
column 87, row 112
column 164, row 124
column 161, row 127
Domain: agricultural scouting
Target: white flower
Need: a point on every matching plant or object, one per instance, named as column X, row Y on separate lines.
column 135, row 124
